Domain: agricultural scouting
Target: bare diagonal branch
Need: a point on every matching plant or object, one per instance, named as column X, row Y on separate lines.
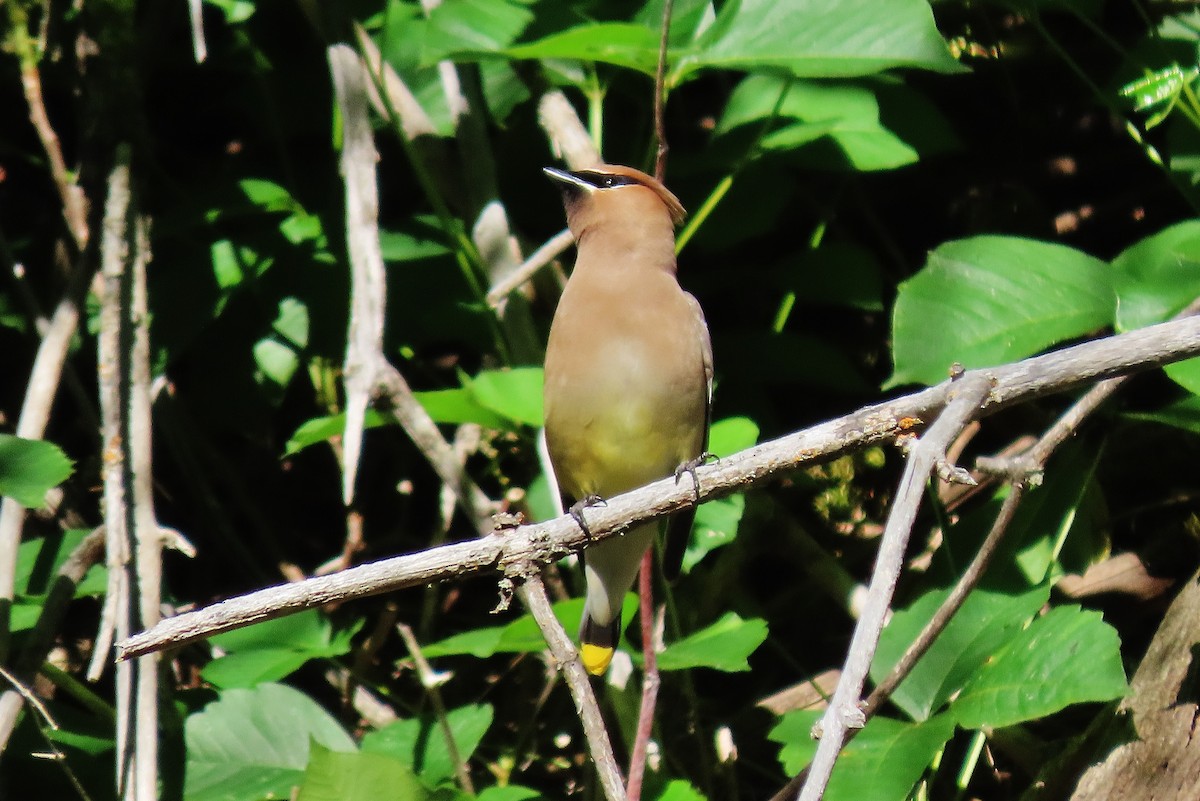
column 1010, row 384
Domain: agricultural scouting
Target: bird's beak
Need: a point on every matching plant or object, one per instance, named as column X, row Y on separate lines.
column 568, row 178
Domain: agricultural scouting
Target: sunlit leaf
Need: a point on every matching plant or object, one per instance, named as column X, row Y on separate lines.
column 620, row 43
column 273, row 649
column 812, row 39
column 29, row 468
column 420, row 743
column 717, row 521
column 724, row 645
column 1068, row 656
column 985, row 623
column 252, row 744
column 515, row 393
column 989, row 300
column 882, row 763
column 1156, row 278
column 354, row 776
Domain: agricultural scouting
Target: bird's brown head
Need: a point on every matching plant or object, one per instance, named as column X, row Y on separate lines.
column 611, row 194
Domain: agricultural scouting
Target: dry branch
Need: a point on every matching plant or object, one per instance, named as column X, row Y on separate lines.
column 562, row 651
column 133, row 539
column 543, row 542
column 1023, row 469
column 364, row 342
column 966, row 398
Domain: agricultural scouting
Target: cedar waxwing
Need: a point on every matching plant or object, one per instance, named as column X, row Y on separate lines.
column 628, row 377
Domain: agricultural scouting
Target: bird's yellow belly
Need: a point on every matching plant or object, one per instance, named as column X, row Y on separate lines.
column 619, row 445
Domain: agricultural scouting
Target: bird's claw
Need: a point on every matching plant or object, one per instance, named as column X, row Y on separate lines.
column 690, row 466
column 576, row 511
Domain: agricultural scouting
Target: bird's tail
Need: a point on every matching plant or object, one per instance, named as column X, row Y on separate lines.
column 597, row 642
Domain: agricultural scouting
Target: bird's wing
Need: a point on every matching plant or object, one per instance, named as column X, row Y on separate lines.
column 679, row 527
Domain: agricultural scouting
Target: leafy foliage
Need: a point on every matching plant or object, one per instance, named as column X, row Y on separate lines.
column 877, row 191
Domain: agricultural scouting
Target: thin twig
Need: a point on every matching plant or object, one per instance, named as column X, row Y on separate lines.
column 368, row 283
column 44, row 379
column 133, row 541
column 29, row 697
column 147, row 536
column 660, row 95
column 967, row 397
column 430, row 683
column 74, row 203
column 1012, row 384
column 39, row 641
column 1022, row 469
column 367, row 371
column 568, row 137
column 651, row 627
column 562, row 651
column 110, row 369
column 423, row 431
column 547, row 253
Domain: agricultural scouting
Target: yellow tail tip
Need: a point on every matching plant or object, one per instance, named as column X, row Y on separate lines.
column 595, row 658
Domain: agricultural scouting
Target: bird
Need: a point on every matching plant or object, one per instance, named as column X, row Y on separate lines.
column 628, row 378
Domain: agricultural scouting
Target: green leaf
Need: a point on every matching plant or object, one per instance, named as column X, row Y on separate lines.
column 514, row 393
column 1184, row 414
column 724, row 646
column 235, row 10
column 268, row 195
column 1154, row 280
column 400, row 246
column 846, row 114
column 457, row 406
column 1159, row 90
column 511, row 792
column 717, row 521
column 253, row 668
column 985, row 623
column 275, row 648
column 1066, row 657
column 989, row 300
column 620, row 43
column 353, row 776
column 421, row 744
column 1052, row 532
column 40, row 559
column 1158, row 276
column 814, row 39
column 29, row 468
column 252, row 744
column 731, row 435
column 882, row 763
column 521, row 635
column 680, row 790
column 478, row 26
column 38, row 563
column 322, row 429
column 277, row 362
column 715, row 526
column 479, row 643
column 1048, row 532
column 689, row 19
column 291, row 322
column 89, row 731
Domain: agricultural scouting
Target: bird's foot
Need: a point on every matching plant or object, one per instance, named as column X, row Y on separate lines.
column 576, row 511
column 690, row 466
